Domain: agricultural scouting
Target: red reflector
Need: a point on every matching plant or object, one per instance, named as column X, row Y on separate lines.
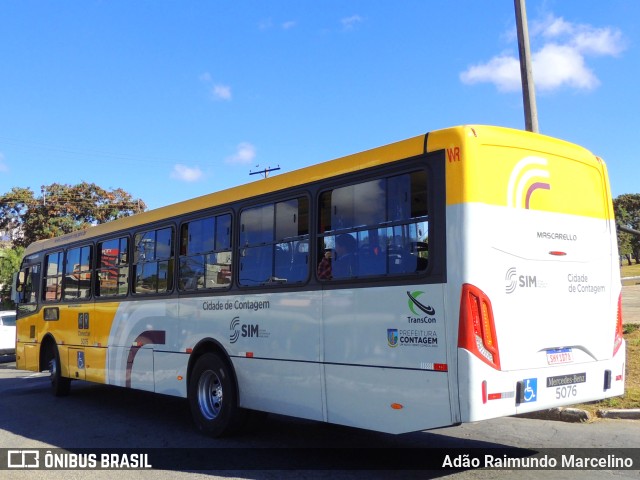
column 440, row 367
column 484, row 391
column 189, row 350
column 495, row 396
column 557, row 254
column 618, row 378
column 618, row 339
column 249, row 354
column 397, row 406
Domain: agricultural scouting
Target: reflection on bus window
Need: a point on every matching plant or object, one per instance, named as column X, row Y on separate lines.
column 374, row 228
column 53, row 271
column 77, row 279
column 113, row 267
column 205, row 254
column 274, row 243
column 153, row 261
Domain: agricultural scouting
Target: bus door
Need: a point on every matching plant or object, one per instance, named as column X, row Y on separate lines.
column 27, row 297
column 68, row 308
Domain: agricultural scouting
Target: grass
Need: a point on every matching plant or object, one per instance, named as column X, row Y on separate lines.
column 630, row 271
column 631, row 397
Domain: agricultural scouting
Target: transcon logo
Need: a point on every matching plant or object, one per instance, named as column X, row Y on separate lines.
column 527, row 177
column 415, row 304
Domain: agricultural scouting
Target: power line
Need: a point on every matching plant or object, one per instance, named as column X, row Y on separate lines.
column 86, row 153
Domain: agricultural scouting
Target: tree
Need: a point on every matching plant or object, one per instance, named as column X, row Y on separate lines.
column 627, row 211
column 10, row 259
column 61, row 209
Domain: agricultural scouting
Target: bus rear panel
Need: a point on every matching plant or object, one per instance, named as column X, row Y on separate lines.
column 538, row 287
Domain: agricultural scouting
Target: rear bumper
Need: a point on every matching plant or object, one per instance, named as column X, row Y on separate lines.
column 488, row 393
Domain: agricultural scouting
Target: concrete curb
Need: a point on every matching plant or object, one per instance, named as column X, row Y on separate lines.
column 562, row 414
column 622, row 414
column 577, row 415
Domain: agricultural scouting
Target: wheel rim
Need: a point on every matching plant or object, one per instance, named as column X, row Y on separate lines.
column 53, row 368
column 210, row 395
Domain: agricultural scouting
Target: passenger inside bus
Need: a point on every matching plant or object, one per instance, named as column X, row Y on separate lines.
column 343, row 263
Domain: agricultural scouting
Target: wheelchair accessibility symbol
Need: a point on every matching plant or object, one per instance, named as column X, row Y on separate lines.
column 530, row 392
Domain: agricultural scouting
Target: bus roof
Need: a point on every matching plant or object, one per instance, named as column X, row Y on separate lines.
column 437, row 140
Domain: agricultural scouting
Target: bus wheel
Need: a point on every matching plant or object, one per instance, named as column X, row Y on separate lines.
column 60, row 385
column 213, row 398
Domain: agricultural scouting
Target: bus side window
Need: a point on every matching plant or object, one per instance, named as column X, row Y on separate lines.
column 52, row 281
column 274, row 243
column 113, row 267
column 256, row 244
column 292, row 234
column 28, row 293
column 205, row 254
column 380, row 225
column 153, row 261
column 77, row 275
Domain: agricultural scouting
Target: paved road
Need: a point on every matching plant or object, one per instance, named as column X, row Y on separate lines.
column 96, row 416
column 631, row 304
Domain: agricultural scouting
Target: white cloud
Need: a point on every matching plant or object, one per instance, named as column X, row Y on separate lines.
column 349, row 22
column 221, row 92
column 601, row 41
column 558, row 65
column 186, row 174
column 551, row 27
column 245, row 153
column 265, row 24
column 560, row 61
column 218, row 90
column 503, row 71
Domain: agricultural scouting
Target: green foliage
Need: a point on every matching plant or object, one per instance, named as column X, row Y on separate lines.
column 627, row 212
column 62, row 209
column 9, row 264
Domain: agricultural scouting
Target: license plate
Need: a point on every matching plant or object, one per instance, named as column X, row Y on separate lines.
column 559, row 356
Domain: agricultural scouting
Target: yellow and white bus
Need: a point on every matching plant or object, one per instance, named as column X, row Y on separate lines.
column 461, row 275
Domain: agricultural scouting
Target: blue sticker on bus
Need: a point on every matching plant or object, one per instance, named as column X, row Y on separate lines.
column 530, row 392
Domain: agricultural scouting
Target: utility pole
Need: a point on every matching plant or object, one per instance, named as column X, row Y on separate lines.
column 265, row 172
column 526, row 73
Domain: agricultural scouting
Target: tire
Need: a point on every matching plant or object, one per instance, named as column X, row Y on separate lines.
column 213, row 397
column 60, row 386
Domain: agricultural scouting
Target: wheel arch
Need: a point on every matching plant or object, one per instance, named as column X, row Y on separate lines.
column 211, row 345
column 47, row 345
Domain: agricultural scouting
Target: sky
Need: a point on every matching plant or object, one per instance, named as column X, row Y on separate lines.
column 171, row 99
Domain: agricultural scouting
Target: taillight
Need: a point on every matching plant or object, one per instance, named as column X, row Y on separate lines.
column 618, row 339
column 477, row 331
